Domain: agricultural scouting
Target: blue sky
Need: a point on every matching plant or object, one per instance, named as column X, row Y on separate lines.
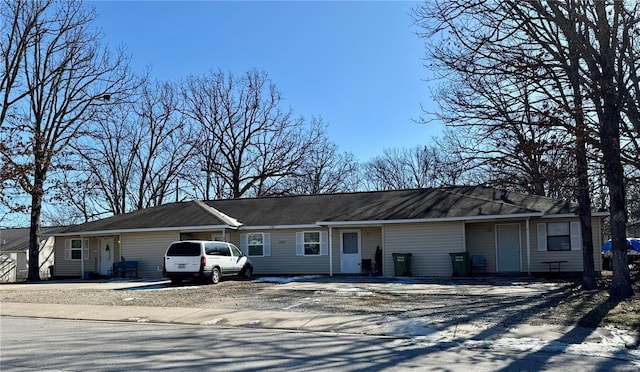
column 358, row 65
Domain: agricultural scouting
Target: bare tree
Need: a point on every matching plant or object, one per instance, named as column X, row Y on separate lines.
column 19, row 20
column 166, row 144
column 324, row 170
column 556, row 47
column 600, row 35
column 396, row 169
column 506, row 135
column 67, row 77
column 103, row 173
column 249, row 142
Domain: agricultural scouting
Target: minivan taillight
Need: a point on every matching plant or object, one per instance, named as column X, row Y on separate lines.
column 203, row 262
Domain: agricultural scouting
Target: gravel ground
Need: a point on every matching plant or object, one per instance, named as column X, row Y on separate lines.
column 487, row 301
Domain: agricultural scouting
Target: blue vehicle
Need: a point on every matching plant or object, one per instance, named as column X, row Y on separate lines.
column 632, row 249
column 633, row 252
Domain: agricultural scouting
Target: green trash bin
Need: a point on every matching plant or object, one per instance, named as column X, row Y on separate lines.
column 402, row 264
column 460, row 263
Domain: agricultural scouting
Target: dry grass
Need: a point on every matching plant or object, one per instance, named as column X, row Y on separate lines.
column 595, row 308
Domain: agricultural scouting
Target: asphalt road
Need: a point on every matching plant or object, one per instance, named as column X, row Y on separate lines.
column 28, row 344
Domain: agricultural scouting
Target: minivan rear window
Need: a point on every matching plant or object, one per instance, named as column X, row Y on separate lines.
column 184, row 249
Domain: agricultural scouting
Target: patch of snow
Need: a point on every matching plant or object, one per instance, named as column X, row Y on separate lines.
column 353, row 291
column 139, row 320
column 254, row 322
column 618, row 336
column 128, row 299
column 535, row 345
column 615, row 343
column 285, row 280
column 160, row 287
column 407, row 327
column 212, row 321
column 293, row 306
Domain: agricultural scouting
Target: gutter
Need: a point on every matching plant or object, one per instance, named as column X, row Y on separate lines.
column 418, row 220
column 149, row 229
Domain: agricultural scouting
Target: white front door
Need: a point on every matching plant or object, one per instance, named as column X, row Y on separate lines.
column 106, row 255
column 350, row 255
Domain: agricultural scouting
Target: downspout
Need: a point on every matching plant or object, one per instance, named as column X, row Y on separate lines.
column 528, row 247
column 464, row 236
column 330, row 251
column 383, row 250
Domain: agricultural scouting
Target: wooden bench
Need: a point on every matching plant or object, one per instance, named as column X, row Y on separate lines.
column 555, row 265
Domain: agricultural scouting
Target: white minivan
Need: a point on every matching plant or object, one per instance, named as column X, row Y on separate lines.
column 205, row 260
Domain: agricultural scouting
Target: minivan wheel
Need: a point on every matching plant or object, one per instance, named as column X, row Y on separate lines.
column 246, row 272
column 215, row 275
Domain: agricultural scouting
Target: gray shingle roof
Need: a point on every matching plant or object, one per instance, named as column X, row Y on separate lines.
column 419, row 204
column 161, row 217
column 13, row 240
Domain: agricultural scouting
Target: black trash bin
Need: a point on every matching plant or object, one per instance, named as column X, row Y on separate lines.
column 402, row 264
column 460, row 263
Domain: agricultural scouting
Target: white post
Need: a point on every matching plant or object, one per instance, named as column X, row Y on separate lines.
column 81, row 257
column 330, row 251
column 528, row 248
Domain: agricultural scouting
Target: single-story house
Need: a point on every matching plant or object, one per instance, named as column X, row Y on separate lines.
column 14, row 247
column 331, row 234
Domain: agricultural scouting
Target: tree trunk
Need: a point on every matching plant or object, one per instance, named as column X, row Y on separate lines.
column 610, row 120
column 34, row 234
column 613, row 170
column 621, row 284
column 584, row 211
column 582, row 167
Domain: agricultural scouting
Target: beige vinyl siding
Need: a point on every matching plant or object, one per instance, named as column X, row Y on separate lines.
column 335, row 244
column 148, row 249
column 523, row 243
column 22, row 267
column 45, row 257
column 283, row 259
column 198, row 235
column 574, row 257
column 429, row 244
column 481, row 240
column 73, row 267
column 371, row 239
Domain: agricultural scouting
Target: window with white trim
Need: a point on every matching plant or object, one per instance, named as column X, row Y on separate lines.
column 73, row 249
column 312, row 243
column 256, row 244
column 558, row 236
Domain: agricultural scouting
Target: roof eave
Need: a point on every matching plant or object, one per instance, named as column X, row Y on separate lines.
column 279, row 227
column 422, row 220
column 573, row 215
column 150, row 229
